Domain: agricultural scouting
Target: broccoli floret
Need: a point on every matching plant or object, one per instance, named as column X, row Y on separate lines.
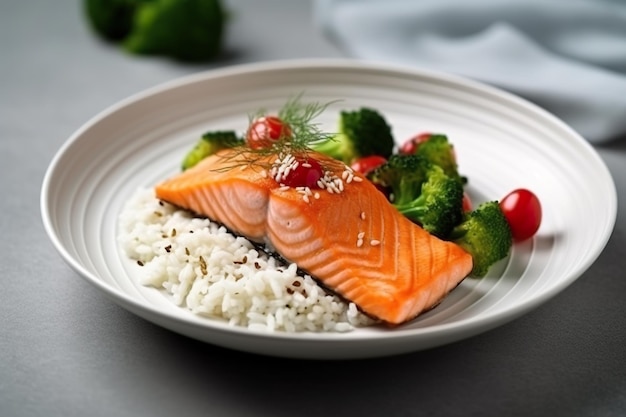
column 439, row 206
column 485, row 234
column 187, row 30
column 438, row 150
column 210, row 143
column 422, row 192
column 360, row 133
column 111, row 19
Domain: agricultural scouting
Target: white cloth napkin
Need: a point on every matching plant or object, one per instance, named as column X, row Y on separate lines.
column 567, row 56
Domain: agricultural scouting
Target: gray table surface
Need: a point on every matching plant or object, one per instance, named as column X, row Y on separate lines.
column 66, row 350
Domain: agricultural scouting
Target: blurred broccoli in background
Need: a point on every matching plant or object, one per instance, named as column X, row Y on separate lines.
column 111, row 19
column 186, row 30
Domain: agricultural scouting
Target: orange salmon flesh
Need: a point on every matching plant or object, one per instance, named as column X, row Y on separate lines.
column 352, row 240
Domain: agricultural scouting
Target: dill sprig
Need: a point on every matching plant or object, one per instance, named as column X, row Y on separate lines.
column 301, row 118
column 305, row 132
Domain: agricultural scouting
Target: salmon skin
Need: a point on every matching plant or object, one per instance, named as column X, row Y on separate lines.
column 346, row 234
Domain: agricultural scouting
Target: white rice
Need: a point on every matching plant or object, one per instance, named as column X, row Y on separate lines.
column 213, row 273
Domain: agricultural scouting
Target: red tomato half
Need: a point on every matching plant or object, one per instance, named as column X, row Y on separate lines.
column 522, row 210
column 306, row 174
column 266, row 130
column 367, row 164
column 467, row 202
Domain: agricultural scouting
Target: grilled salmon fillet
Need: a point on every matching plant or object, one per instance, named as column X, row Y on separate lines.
column 345, row 234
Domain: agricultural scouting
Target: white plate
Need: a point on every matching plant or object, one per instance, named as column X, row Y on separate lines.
column 502, row 143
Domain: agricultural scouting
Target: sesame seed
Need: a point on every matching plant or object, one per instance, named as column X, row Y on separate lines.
column 359, row 243
column 316, row 195
column 306, row 198
column 283, row 167
column 361, row 235
column 279, row 173
column 357, row 179
column 307, row 165
column 374, row 242
column 362, row 215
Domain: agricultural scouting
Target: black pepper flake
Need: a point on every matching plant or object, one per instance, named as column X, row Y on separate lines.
column 173, row 232
column 257, row 266
column 290, row 291
column 158, row 213
column 187, row 251
column 296, row 283
column 168, row 248
column 139, row 263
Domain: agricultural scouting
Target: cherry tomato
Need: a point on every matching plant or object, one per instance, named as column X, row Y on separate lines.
column 467, row 202
column 410, row 146
column 367, row 164
column 306, row 174
column 522, row 210
column 266, row 130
